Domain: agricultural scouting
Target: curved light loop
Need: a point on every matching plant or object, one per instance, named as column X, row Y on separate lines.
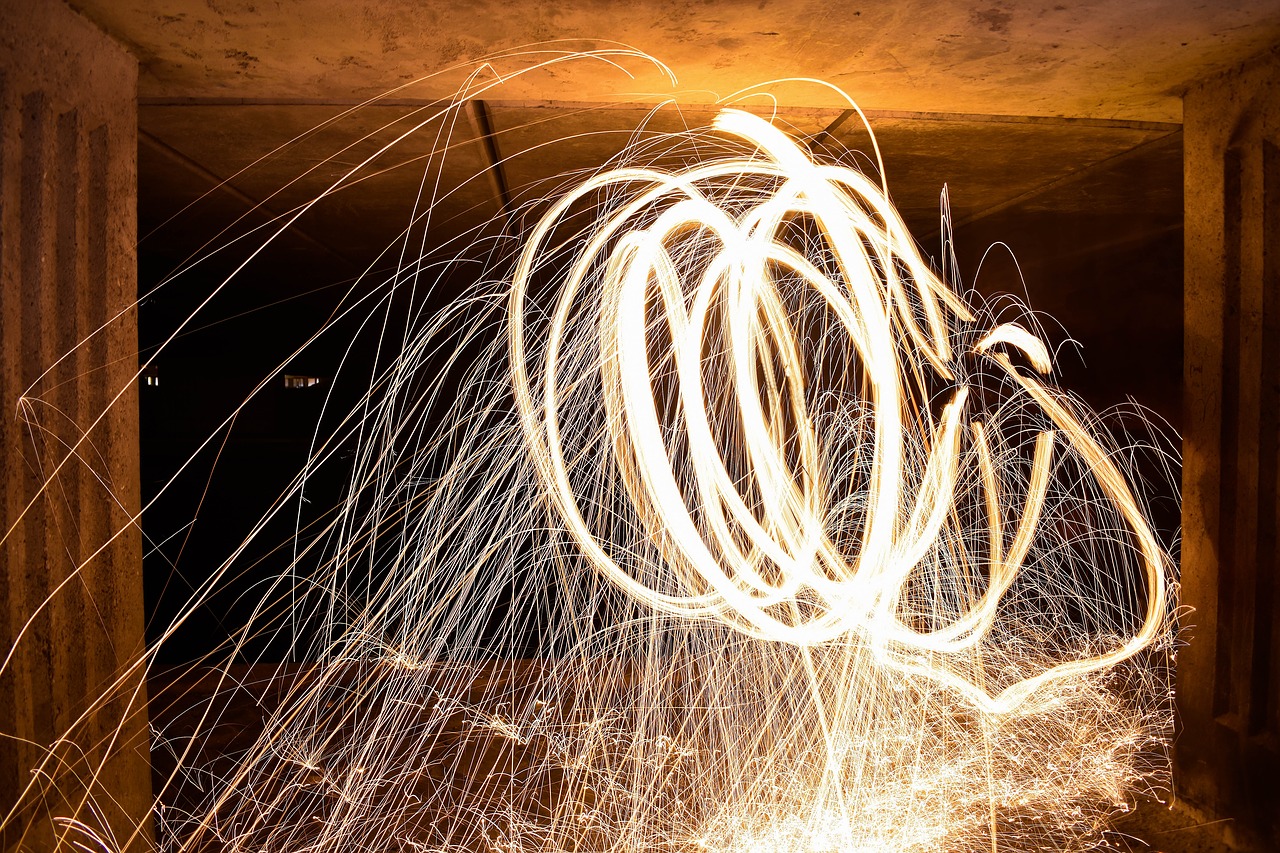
column 743, row 530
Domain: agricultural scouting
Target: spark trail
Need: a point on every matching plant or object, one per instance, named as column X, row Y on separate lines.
column 816, row 556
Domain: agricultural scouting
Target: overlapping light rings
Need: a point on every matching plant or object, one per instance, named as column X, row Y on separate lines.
column 767, row 563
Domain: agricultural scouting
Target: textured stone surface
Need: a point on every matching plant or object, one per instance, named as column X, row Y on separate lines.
column 1094, row 58
column 1228, row 757
column 70, row 562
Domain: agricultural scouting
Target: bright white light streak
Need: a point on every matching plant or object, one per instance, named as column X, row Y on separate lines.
column 698, row 530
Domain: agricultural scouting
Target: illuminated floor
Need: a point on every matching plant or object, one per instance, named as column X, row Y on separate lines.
column 179, row 702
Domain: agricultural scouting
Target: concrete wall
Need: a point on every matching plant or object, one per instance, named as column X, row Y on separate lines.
column 1228, row 755
column 73, row 612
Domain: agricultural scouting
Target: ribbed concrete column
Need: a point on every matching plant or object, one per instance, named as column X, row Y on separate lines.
column 1228, row 756
column 68, row 346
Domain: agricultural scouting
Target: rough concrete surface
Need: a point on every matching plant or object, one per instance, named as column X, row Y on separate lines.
column 72, row 611
column 1089, row 58
column 1229, row 676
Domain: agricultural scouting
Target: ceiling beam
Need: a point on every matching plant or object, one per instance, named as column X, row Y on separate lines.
column 823, row 135
column 816, row 112
column 482, row 129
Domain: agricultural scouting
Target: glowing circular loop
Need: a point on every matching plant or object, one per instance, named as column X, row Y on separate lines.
column 714, row 541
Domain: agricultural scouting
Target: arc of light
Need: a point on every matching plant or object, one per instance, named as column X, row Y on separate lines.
column 855, row 221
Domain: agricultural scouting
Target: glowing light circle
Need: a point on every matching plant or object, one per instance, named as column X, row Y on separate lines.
column 754, row 551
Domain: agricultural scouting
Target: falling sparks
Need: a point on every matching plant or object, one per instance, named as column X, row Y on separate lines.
column 818, row 558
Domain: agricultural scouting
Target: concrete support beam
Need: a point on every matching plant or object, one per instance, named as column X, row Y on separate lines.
column 71, row 618
column 482, row 129
column 1228, row 755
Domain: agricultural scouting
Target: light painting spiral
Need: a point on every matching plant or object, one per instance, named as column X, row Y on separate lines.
column 756, row 548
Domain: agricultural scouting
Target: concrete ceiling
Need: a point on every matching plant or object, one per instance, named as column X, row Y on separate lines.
column 998, row 99
column 1125, row 59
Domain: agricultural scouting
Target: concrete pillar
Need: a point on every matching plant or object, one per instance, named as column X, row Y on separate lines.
column 70, row 558
column 1228, row 754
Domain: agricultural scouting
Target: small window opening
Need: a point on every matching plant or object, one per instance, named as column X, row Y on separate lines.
column 292, row 381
